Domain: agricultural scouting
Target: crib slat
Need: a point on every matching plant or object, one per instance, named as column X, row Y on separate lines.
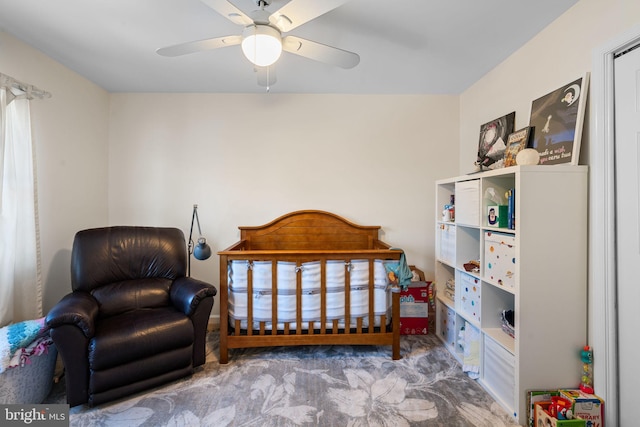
column 372, row 290
column 250, row 302
column 347, row 298
column 224, row 310
column 274, row 297
column 298, row 300
column 323, row 296
column 396, row 325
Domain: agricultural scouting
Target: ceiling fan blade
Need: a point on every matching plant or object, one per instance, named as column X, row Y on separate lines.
column 198, row 46
column 266, row 75
column 229, row 11
column 320, row 52
column 297, row 12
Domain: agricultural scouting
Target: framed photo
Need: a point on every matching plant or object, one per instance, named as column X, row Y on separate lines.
column 493, row 142
column 558, row 118
column 516, row 141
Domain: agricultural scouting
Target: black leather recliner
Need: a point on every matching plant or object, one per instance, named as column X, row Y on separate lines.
column 133, row 320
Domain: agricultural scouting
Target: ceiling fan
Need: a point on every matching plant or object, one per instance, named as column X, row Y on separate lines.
column 262, row 41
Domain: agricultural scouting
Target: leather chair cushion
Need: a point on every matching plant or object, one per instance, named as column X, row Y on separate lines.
column 119, row 297
column 138, row 334
column 105, row 255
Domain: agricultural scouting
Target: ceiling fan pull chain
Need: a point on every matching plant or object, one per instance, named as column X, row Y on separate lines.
column 268, row 79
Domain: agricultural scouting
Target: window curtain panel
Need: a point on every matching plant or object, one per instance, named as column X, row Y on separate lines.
column 20, row 280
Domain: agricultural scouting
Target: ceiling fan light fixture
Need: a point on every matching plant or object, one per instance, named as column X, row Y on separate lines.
column 261, row 44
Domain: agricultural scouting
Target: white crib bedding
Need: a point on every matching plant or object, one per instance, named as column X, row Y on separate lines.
column 335, row 273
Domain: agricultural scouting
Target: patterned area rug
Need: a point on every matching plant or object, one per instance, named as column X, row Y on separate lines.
column 310, row 386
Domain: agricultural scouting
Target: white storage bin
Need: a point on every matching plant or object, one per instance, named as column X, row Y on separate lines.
column 468, row 202
column 468, row 287
column 498, row 371
column 500, row 258
column 447, row 326
column 447, row 243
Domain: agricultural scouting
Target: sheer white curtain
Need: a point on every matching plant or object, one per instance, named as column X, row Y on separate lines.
column 20, row 278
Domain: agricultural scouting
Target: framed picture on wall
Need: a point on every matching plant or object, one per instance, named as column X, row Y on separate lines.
column 493, row 141
column 517, row 141
column 558, row 118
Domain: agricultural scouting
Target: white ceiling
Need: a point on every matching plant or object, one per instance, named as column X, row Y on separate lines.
column 405, row 46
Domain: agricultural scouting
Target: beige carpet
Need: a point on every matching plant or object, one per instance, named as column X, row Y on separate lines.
column 310, row 386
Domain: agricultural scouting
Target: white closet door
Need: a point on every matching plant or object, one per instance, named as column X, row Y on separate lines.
column 627, row 148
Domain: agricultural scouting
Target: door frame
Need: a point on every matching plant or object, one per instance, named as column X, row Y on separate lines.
column 602, row 308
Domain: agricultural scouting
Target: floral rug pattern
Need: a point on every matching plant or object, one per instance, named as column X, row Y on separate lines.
column 354, row 386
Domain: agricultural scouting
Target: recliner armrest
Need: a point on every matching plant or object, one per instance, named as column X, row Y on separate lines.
column 77, row 308
column 187, row 292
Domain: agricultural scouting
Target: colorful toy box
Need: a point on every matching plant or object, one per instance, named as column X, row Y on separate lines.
column 538, row 396
column 414, row 309
column 500, row 258
column 587, row 406
column 543, row 418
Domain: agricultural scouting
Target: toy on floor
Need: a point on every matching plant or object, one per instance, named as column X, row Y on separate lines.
column 561, row 408
column 586, row 381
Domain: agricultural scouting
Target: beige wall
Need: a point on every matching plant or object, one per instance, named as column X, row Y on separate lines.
column 559, row 54
column 247, row 159
column 70, row 138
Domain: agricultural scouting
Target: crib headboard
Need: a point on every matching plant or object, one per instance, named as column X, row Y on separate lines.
column 309, row 230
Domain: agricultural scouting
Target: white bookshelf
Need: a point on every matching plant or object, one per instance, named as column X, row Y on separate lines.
column 548, row 292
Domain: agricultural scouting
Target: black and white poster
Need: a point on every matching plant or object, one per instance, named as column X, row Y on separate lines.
column 557, row 119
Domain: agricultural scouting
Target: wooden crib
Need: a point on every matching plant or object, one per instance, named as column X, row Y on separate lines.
column 297, row 242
